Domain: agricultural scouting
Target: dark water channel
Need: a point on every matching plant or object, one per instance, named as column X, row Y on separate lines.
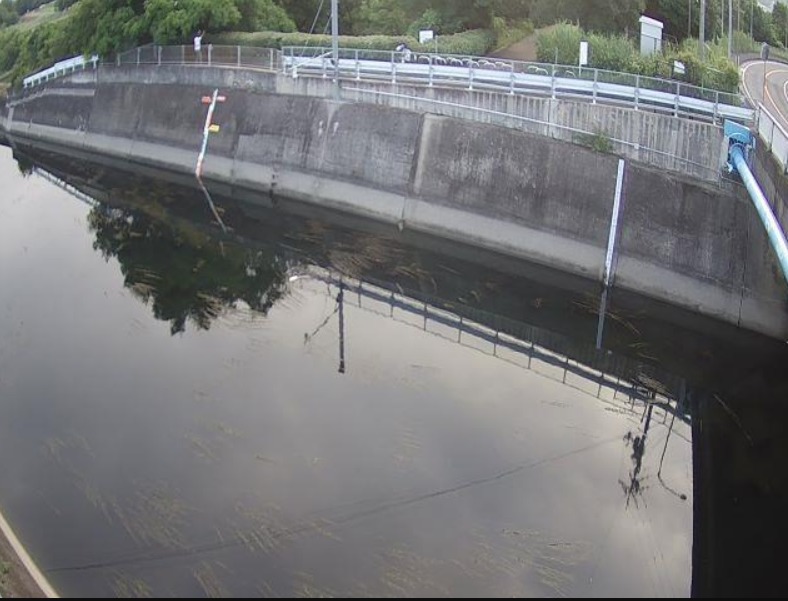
column 312, row 406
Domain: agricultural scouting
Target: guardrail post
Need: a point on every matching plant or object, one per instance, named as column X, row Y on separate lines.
column 210, row 52
column 637, row 91
column 511, row 80
column 678, row 95
column 771, row 136
column 158, row 53
column 393, row 68
column 237, row 56
column 552, row 84
column 596, row 79
column 358, row 67
column 183, row 55
column 138, row 56
column 431, row 74
column 716, row 107
column 118, row 57
column 470, row 75
column 323, row 65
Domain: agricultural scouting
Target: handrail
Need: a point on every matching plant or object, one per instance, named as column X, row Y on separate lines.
column 773, row 135
column 467, row 71
column 588, row 74
column 63, row 67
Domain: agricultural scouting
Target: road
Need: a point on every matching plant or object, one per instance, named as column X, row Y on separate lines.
column 774, row 95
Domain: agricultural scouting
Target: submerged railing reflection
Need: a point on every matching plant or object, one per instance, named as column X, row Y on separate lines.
column 516, row 343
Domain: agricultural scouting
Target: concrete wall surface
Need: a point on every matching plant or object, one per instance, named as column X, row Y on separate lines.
column 685, row 146
column 510, row 191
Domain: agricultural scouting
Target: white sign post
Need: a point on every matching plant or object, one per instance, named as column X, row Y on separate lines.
column 583, row 54
column 425, row 35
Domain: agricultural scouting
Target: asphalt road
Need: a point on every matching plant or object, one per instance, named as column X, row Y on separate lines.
column 774, row 95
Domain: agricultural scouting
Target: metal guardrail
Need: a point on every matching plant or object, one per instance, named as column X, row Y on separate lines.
column 471, row 73
column 773, row 135
column 60, row 68
column 467, row 72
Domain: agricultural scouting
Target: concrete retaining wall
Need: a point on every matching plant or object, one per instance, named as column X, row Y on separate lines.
column 509, row 191
column 692, row 148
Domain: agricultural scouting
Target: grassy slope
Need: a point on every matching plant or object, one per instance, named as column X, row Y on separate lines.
column 46, row 13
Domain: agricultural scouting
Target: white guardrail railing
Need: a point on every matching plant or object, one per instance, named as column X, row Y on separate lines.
column 469, row 72
column 773, row 135
column 598, row 85
column 63, row 67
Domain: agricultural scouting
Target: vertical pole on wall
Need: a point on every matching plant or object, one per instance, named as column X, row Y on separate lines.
column 335, row 43
column 238, row 56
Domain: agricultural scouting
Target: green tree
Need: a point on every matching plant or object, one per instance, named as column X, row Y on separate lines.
column 675, row 15
column 8, row 14
column 263, row 15
column 168, row 21
column 780, row 22
column 613, row 16
column 382, row 17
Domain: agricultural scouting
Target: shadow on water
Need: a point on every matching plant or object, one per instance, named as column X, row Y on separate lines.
column 665, row 364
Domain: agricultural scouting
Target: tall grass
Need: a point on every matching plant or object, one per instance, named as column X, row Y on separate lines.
column 561, row 44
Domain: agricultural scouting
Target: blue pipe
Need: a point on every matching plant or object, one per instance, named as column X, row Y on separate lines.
column 773, row 229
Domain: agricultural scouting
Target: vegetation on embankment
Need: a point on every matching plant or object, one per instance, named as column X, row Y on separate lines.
column 46, row 33
column 561, row 44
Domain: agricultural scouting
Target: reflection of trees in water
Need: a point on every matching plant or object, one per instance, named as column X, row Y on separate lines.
column 184, row 274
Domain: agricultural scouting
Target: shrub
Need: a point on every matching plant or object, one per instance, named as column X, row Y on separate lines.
column 475, row 42
column 560, row 44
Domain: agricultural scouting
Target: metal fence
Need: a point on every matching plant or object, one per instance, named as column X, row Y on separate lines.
column 773, row 135
column 218, row 56
column 468, row 72
column 471, row 73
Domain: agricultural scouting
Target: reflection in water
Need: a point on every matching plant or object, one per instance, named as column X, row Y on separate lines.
column 185, row 275
column 348, row 415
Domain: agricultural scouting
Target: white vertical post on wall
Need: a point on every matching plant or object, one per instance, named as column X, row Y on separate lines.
column 335, row 44
column 238, row 56
column 607, row 276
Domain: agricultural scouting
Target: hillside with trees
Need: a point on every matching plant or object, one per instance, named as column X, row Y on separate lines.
column 108, row 26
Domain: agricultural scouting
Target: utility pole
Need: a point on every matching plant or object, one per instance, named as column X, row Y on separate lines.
column 702, row 33
column 752, row 11
column 335, row 42
column 689, row 19
column 730, row 29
